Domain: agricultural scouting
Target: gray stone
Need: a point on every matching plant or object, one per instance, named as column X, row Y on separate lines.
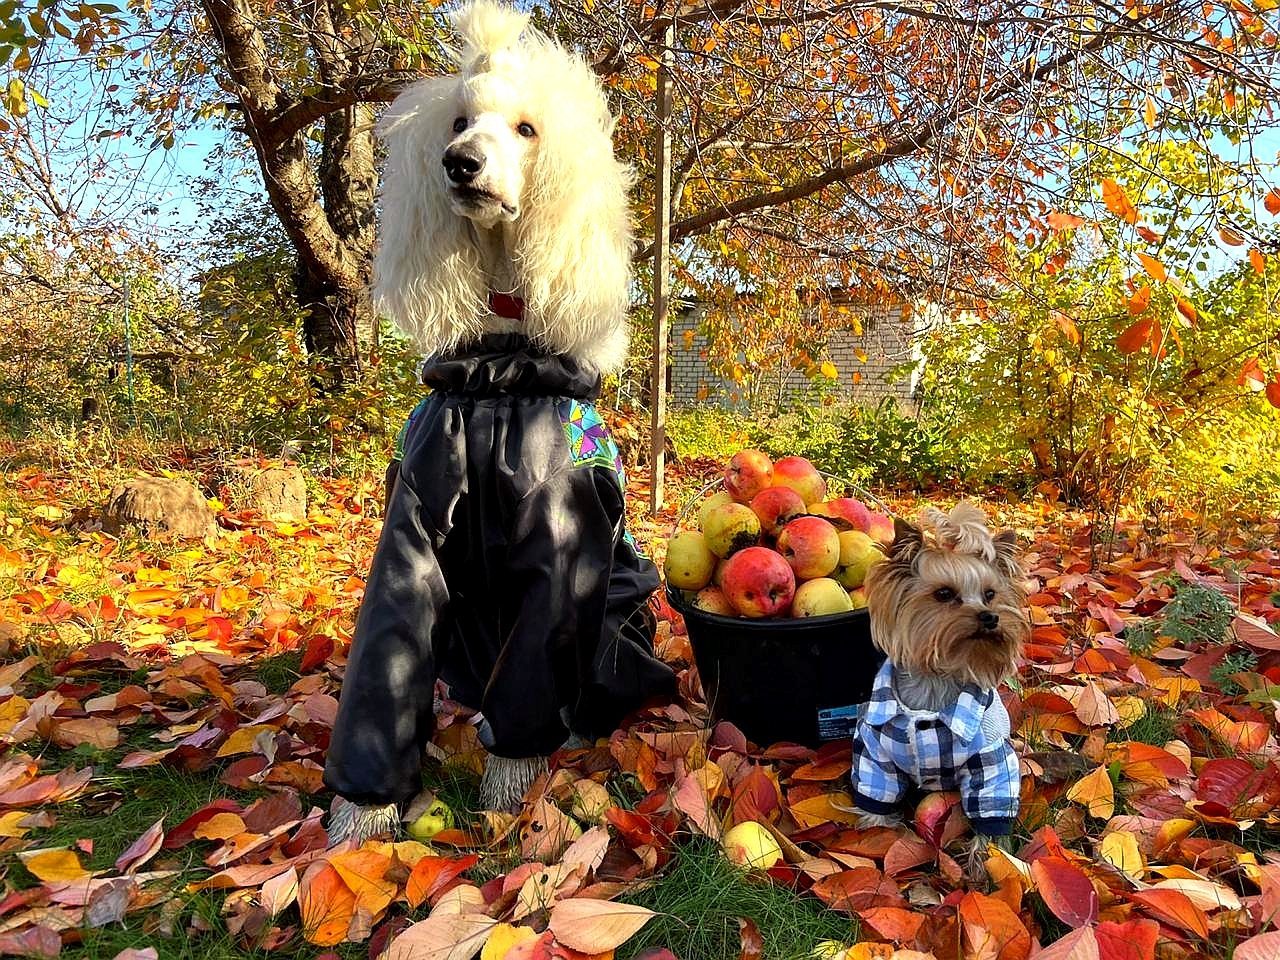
column 158, row 507
column 276, row 492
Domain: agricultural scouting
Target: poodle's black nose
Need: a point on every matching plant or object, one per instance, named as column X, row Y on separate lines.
column 988, row 620
column 463, row 163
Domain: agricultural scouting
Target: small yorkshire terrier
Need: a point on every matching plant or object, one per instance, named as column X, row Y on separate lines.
column 948, row 608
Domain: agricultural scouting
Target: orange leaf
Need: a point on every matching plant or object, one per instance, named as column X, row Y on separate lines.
column 363, row 871
column 1273, row 393
column 1174, row 908
column 326, row 905
column 1131, row 940
column 221, row 826
column 1149, row 112
column 596, row 926
column 431, row 876
column 1149, row 235
column 1230, row 237
column 1272, row 201
column 1095, row 792
column 1187, row 310
column 1258, row 261
column 992, row 930
column 1155, row 269
column 1118, row 201
column 1139, row 301
column 1065, row 890
column 893, row 923
column 1135, row 337
column 279, row 892
column 1064, row 221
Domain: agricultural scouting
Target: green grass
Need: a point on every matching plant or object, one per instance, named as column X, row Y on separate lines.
column 700, row 896
column 1157, row 726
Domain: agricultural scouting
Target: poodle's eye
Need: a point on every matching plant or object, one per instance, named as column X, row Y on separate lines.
column 988, row 595
column 460, row 124
column 944, row 594
column 526, row 130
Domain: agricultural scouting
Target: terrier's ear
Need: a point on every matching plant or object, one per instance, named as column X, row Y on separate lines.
column 907, row 541
column 1006, row 543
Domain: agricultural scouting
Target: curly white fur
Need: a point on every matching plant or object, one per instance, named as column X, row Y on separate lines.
column 568, row 251
column 964, row 530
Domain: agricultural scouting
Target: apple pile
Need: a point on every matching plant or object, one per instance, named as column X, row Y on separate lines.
column 771, row 545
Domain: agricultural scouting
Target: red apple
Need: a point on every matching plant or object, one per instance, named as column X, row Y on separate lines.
column 811, row 545
column 880, row 528
column 847, row 508
column 933, row 816
column 750, row 471
column 758, row 582
column 713, row 600
column 802, row 477
column 775, row 506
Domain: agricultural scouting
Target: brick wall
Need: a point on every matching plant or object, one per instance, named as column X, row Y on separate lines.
column 864, row 362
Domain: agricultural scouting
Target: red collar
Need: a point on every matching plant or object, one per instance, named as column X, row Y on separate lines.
column 505, row 305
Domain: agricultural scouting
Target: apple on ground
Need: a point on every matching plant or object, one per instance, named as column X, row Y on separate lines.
column 730, row 527
column 690, row 562
column 802, row 477
column 437, row 818
column 880, row 528
column 820, row 597
column 858, row 554
column 713, row 600
column 749, row 472
column 717, row 499
column 933, row 820
column 776, row 506
column 811, row 545
column 858, row 597
column 751, row 845
column 758, row 582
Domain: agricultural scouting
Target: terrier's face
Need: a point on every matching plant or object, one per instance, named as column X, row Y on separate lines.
column 949, row 600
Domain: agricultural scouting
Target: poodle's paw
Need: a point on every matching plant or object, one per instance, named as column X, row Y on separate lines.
column 358, row 822
column 506, row 781
column 868, row 820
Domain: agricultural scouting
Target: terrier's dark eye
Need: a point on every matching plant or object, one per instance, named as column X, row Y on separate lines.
column 988, row 595
column 460, row 124
column 526, row 130
column 944, row 594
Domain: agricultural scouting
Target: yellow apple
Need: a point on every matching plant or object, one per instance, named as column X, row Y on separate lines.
column 820, row 597
column 437, row 818
column 858, row 554
column 690, row 561
column 751, row 845
column 729, row 527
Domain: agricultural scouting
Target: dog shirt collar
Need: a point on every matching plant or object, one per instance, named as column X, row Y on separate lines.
column 963, row 716
column 506, row 305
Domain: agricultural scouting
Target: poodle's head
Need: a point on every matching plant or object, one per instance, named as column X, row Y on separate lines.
column 517, row 141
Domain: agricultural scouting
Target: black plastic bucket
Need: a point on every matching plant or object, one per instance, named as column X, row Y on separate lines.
column 771, row 678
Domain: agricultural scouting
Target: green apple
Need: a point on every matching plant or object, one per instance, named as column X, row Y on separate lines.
column 858, row 554
column 709, row 504
column 690, row 562
column 437, row 818
column 820, row 597
column 729, row 527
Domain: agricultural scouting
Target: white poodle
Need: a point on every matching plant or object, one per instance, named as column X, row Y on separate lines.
column 503, row 567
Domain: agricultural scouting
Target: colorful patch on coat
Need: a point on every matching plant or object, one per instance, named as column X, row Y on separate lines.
column 404, row 429
column 590, row 444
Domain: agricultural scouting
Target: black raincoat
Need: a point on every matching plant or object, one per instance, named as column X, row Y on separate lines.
column 504, row 569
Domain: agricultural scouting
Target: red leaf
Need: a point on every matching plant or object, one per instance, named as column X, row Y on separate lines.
column 755, row 797
column 1273, row 393
column 31, row 942
column 142, row 849
column 185, row 832
column 1229, row 781
column 1066, row 891
column 1131, row 940
column 1272, row 201
column 893, row 923
column 1174, row 908
column 319, row 647
column 992, row 930
column 854, row 890
column 1149, row 235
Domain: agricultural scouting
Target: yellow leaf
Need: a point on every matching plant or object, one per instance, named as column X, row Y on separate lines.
column 1096, row 793
column 824, row 808
column 828, row 370
column 53, row 866
column 221, row 826
column 1120, row 849
column 1131, row 710
column 241, row 741
column 11, row 824
column 502, row 938
column 1149, row 114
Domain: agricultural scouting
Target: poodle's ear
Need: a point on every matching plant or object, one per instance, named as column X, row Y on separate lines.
column 573, row 248
column 426, row 272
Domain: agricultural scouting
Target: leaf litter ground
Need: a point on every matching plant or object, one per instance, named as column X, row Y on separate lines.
column 165, row 711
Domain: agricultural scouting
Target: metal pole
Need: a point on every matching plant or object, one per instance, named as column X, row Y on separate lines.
column 661, row 277
column 128, row 353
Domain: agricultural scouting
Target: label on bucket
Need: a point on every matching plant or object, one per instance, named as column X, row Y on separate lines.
column 837, row 723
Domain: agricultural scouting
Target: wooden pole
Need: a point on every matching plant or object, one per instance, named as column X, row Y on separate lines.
column 661, row 278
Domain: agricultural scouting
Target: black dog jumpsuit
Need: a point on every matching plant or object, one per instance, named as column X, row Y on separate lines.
column 503, row 568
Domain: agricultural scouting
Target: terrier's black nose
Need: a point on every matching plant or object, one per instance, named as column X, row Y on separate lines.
column 988, row 620
column 463, row 163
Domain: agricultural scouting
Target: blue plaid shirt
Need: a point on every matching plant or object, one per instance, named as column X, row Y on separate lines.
column 963, row 747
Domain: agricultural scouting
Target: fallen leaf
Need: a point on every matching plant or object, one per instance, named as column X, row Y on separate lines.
column 142, row 849
column 991, row 930
column 1096, row 793
column 1066, row 891
column 596, row 926
column 446, row 937
column 53, row 866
